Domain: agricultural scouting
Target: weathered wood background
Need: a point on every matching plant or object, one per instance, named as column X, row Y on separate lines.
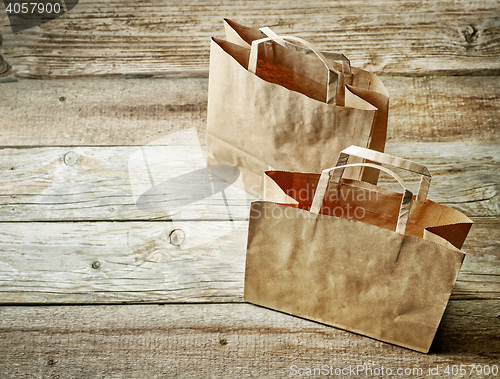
column 116, row 76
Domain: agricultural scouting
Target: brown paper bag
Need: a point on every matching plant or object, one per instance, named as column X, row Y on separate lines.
column 272, row 107
column 362, row 83
column 356, row 256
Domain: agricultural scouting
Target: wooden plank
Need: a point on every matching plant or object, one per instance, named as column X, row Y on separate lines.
column 434, row 109
column 105, row 183
column 97, row 112
column 139, row 111
column 475, row 193
column 100, row 262
column 120, row 262
column 225, row 341
column 480, row 269
column 115, row 183
column 43, row 186
column 127, row 37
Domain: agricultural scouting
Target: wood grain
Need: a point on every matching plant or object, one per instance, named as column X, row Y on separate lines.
column 475, row 195
column 139, row 111
column 122, row 262
column 221, row 341
column 132, row 38
column 434, row 109
column 100, row 112
column 105, row 183
column 114, row 183
column 56, row 248
column 72, row 230
column 131, row 262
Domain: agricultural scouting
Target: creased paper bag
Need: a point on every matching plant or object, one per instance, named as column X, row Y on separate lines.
column 274, row 107
column 356, row 256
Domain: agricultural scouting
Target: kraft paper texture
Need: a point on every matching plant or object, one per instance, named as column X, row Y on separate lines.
column 367, row 259
column 293, row 109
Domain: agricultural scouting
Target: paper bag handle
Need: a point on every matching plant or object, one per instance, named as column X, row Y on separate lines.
column 346, row 63
column 383, row 158
column 333, row 75
column 325, row 179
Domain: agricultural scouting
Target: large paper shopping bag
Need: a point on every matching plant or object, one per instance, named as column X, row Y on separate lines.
column 276, row 107
column 362, row 83
column 356, row 256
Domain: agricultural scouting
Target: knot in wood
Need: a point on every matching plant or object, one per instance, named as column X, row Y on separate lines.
column 71, row 158
column 177, row 237
column 471, row 33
